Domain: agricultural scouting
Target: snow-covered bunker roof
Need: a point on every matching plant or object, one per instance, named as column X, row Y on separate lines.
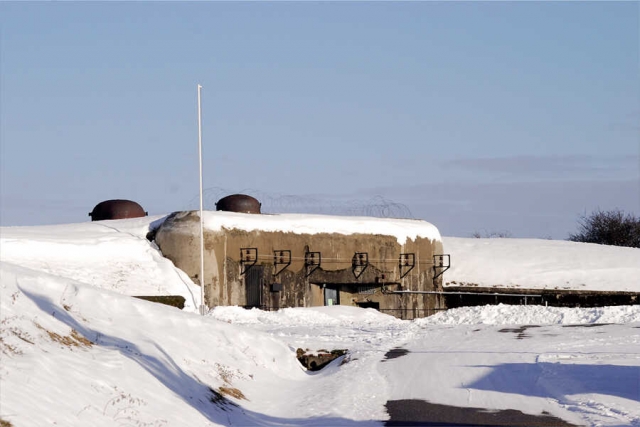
column 401, row 229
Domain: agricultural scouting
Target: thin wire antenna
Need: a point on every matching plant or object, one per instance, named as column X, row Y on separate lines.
column 202, row 302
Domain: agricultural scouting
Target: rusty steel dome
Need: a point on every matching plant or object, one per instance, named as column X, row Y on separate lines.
column 117, row 209
column 239, row 203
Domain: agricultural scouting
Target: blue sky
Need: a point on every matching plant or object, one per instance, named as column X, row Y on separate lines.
column 476, row 116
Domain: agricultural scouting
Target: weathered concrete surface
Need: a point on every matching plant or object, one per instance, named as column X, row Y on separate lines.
column 172, row 300
column 178, row 239
column 552, row 297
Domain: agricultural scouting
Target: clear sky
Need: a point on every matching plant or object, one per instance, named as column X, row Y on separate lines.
column 476, row 116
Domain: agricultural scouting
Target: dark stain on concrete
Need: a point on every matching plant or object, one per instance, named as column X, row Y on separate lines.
column 413, row 412
column 588, row 325
column 394, row 353
column 521, row 331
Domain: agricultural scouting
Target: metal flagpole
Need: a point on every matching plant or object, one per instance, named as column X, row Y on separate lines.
column 202, row 302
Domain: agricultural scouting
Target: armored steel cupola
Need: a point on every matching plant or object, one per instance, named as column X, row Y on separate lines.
column 117, row 209
column 239, row 203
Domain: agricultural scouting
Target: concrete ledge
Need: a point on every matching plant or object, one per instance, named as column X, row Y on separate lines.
column 172, row 300
column 473, row 296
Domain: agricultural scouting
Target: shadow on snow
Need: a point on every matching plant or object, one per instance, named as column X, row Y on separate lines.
column 561, row 379
column 196, row 394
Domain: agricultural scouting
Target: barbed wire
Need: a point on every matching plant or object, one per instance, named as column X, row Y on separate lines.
column 376, row 206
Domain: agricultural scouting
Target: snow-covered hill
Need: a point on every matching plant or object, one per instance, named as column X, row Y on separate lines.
column 541, row 264
column 76, row 350
column 113, row 255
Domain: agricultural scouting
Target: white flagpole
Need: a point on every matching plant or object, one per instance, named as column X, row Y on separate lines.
column 202, row 302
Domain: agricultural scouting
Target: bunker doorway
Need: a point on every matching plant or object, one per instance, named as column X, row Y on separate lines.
column 369, row 304
column 253, row 281
column 331, row 296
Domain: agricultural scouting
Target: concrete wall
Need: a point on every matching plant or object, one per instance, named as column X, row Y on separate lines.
column 474, row 296
column 178, row 239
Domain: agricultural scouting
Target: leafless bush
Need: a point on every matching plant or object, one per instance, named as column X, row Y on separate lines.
column 612, row 227
column 491, row 234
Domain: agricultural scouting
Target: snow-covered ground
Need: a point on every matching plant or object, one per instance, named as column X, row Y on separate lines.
column 541, row 264
column 113, row 255
column 77, row 350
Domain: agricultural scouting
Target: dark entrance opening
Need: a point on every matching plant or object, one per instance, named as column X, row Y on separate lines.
column 369, row 304
column 253, row 281
column 331, row 296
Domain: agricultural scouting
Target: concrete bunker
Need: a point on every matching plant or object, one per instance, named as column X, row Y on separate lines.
column 293, row 260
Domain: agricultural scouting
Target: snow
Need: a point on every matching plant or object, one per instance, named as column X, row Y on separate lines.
column 402, row 229
column 77, row 350
column 112, row 255
column 541, row 264
column 533, row 315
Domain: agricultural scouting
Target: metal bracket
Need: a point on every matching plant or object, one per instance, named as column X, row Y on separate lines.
column 440, row 261
column 359, row 263
column 281, row 258
column 248, row 258
column 312, row 261
column 406, row 263
column 276, row 287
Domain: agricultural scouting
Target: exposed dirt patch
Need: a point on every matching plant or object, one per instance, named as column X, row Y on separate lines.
column 4, row 423
column 21, row 335
column 228, row 374
column 73, row 340
column 8, row 349
column 316, row 360
column 220, row 401
column 6, row 332
column 233, row 392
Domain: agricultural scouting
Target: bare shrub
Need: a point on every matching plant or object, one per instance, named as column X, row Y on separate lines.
column 73, row 340
column 218, row 399
column 612, row 227
column 492, row 234
column 232, row 391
